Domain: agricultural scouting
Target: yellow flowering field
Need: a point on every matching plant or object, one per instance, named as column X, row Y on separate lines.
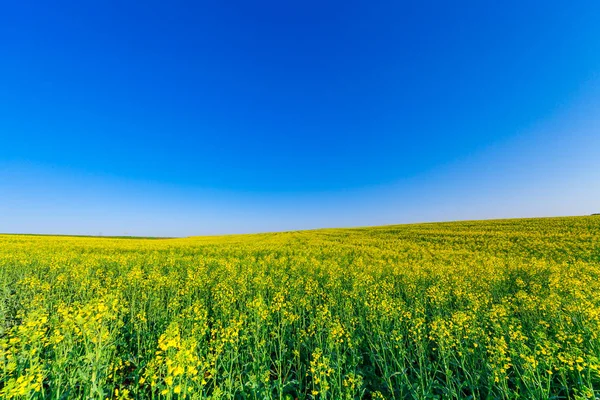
column 484, row 309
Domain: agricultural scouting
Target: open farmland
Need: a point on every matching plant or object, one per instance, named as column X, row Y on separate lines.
column 484, row 309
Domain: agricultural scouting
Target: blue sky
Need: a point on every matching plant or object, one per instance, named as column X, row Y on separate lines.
column 181, row 118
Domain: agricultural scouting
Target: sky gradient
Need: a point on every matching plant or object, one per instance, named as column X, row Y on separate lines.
column 188, row 118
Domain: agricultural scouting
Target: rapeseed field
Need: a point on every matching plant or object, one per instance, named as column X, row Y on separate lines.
column 500, row 309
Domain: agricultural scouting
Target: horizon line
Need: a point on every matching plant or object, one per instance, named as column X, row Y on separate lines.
column 294, row 230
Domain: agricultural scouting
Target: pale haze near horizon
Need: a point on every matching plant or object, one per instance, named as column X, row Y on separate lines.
column 550, row 169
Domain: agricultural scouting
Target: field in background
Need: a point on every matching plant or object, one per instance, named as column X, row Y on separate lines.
column 489, row 309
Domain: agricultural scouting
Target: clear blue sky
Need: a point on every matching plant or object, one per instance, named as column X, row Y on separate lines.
column 180, row 118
